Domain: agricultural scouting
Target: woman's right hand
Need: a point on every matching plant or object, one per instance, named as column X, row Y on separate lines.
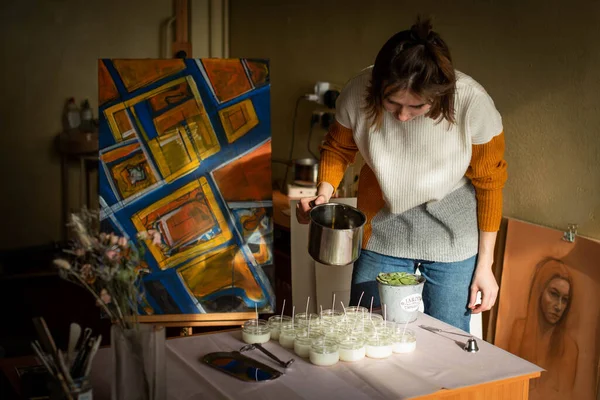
column 304, row 205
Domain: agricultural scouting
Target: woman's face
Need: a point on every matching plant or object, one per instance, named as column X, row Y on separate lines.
column 555, row 299
column 405, row 106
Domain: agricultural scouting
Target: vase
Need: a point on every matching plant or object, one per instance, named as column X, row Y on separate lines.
column 139, row 363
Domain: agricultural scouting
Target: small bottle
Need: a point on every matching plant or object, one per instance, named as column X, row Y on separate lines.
column 87, row 117
column 71, row 116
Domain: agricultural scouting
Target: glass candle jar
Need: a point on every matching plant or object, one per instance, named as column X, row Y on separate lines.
column 324, row 352
column 304, row 340
column 335, row 316
column 379, row 345
column 302, row 319
column 287, row 335
column 381, row 326
column 256, row 331
column 335, row 331
column 373, row 317
column 275, row 323
column 357, row 310
column 405, row 340
column 351, row 347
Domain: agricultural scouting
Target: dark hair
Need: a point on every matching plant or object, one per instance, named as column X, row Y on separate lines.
column 417, row 60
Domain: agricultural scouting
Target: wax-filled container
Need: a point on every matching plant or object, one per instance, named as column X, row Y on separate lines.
column 304, row 339
column 355, row 312
column 334, row 331
column 335, row 316
column 373, row 317
column 351, row 347
column 287, row 335
column 302, row 319
column 405, row 340
column 381, row 326
column 358, row 310
column 324, row 352
column 275, row 323
column 256, row 331
column 379, row 345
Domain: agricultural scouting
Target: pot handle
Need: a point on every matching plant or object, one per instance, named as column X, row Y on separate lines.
column 311, row 203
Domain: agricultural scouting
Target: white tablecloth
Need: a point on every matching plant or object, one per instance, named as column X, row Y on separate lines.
column 437, row 363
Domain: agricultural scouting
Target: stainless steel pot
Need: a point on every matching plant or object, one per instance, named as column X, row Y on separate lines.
column 306, row 171
column 335, row 233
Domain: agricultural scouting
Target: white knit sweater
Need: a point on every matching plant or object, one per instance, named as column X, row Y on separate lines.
column 419, row 161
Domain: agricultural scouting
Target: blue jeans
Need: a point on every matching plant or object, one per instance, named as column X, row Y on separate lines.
column 446, row 289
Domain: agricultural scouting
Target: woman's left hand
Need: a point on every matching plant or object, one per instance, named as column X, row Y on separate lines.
column 484, row 281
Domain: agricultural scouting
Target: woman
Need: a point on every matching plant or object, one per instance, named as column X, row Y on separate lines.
column 542, row 338
column 432, row 184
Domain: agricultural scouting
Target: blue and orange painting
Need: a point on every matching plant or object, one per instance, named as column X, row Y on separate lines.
column 185, row 149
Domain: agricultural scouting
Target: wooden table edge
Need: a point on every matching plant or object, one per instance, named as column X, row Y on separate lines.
column 457, row 391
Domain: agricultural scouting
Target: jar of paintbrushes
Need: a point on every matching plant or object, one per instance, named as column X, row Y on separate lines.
column 69, row 370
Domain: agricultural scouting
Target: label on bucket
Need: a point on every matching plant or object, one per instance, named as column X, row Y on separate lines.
column 411, row 303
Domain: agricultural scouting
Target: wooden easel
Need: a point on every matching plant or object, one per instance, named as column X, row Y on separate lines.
column 182, row 48
column 188, row 321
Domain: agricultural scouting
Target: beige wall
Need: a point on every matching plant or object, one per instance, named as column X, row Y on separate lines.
column 49, row 53
column 540, row 61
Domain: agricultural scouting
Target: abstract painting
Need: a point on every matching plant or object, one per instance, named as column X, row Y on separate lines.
column 185, row 149
column 549, row 309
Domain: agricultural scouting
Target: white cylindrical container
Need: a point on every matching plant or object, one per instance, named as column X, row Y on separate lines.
column 335, row 331
column 304, row 340
column 256, row 331
column 357, row 310
column 405, row 340
column 275, row 323
column 382, row 327
column 335, row 316
column 351, row 347
column 302, row 319
column 287, row 335
column 379, row 346
column 324, row 352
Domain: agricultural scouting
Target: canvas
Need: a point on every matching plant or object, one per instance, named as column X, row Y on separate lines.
column 549, row 309
column 185, row 149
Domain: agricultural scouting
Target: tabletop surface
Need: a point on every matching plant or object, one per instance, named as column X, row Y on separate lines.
column 438, row 362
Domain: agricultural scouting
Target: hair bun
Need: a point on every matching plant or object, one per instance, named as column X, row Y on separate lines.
column 422, row 30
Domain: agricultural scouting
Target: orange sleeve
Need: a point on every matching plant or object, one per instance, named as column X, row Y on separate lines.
column 488, row 173
column 337, row 152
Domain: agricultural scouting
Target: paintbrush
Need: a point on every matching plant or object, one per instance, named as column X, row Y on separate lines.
column 47, row 343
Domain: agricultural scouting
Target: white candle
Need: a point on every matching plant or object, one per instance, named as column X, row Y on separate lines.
column 301, row 349
column 275, row 333
column 405, row 340
column 352, row 354
column 379, row 351
column 254, row 337
column 324, row 359
column 286, row 339
column 275, row 323
column 404, row 347
column 256, row 331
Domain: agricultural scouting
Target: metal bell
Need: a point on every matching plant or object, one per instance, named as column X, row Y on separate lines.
column 471, row 346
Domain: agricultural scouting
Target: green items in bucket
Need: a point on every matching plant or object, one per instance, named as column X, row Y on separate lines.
column 397, row 278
